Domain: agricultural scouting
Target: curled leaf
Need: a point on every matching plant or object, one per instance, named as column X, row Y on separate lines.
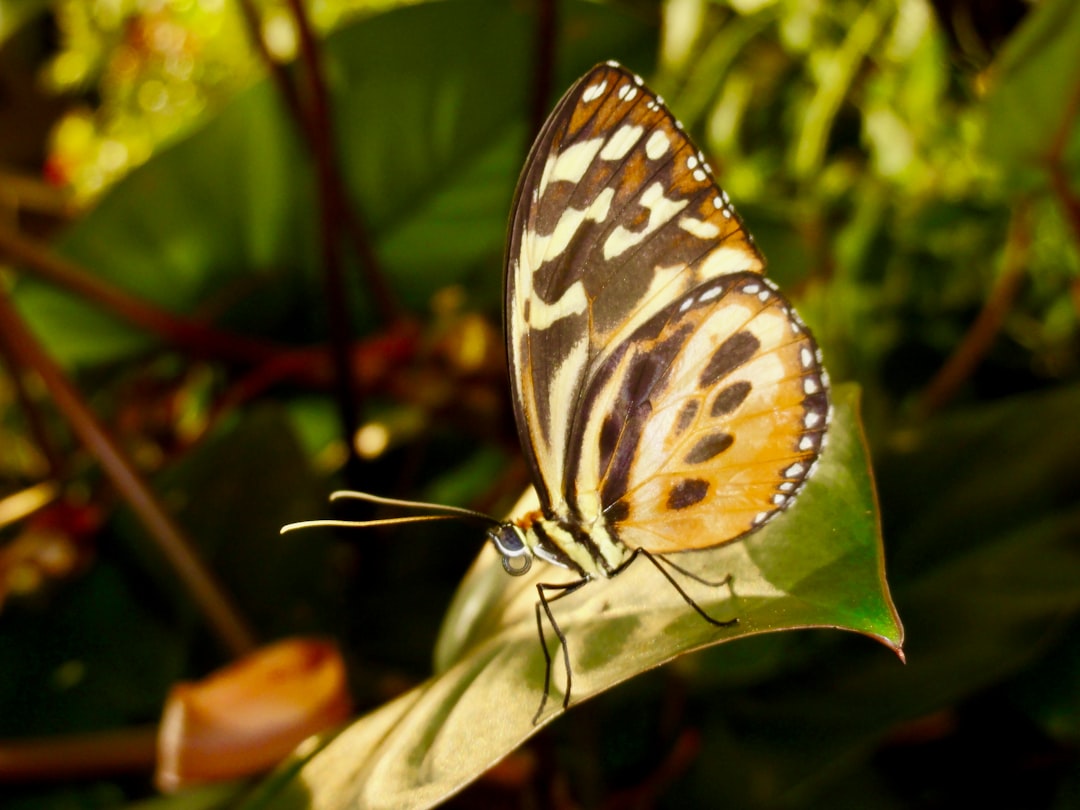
column 244, row 718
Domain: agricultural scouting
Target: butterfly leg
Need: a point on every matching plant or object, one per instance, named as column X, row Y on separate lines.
column 656, row 560
column 561, row 590
column 712, row 583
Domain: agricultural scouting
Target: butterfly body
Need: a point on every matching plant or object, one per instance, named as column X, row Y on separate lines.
column 667, row 395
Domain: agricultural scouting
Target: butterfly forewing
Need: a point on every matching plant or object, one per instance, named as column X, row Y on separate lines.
column 616, row 216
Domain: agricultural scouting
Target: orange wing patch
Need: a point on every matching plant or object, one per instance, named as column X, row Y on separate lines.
column 730, row 427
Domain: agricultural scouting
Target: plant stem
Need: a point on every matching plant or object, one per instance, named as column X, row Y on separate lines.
column 202, row 340
column 78, row 756
column 1059, row 176
column 547, row 21
column 980, row 337
column 331, row 223
column 212, row 601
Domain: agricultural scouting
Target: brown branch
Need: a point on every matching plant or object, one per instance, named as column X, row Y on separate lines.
column 202, row 340
column 278, row 73
column 223, row 619
column 981, row 335
column 331, row 221
column 544, row 63
column 354, row 227
column 28, row 407
column 78, row 756
column 337, row 213
column 1059, row 182
column 1055, row 157
column 322, row 144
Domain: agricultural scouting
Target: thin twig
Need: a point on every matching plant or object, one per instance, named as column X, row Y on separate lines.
column 222, row 617
column 28, row 407
column 354, row 227
column 544, row 63
column 278, row 73
column 321, row 134
column 78, row 756
column 980, row 337
column 331, row 222
column 1055, row 157
column 202, row 340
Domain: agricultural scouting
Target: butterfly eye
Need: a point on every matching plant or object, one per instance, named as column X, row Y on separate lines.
column 516, row 557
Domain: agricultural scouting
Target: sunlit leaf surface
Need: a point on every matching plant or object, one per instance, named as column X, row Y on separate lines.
column 819, row 565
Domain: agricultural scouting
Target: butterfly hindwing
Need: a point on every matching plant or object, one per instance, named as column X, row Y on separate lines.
column 705, row 422
column 616, row 216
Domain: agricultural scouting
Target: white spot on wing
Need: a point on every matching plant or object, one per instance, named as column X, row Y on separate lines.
column 621, row 142
column 710, row 294
column 724, row 260
column 657, row 145
column 571, row 164
column 661, row 210
column 594, row 91
column 537, row 249
column 573, row 302
column 699, row 228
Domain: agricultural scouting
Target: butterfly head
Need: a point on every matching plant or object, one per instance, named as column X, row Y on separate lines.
column 510, row 542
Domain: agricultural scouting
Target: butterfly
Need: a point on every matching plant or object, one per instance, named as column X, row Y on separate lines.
column 667, row 396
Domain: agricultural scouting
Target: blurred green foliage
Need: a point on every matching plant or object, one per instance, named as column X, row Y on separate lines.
column 911, row 171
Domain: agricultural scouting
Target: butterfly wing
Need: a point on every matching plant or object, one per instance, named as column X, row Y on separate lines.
column 616, row 216
column 705, row 422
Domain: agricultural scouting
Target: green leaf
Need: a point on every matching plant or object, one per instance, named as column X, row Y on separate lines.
column 1036, row 81
column 70, row 669
column 982, row 517
column 983, row 541
column 17, row 12
column 431, row 137
column 818, row 565
column 232, row 493
column 204, row 797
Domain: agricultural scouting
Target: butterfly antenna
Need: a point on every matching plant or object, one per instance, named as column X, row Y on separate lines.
column 441, row 512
